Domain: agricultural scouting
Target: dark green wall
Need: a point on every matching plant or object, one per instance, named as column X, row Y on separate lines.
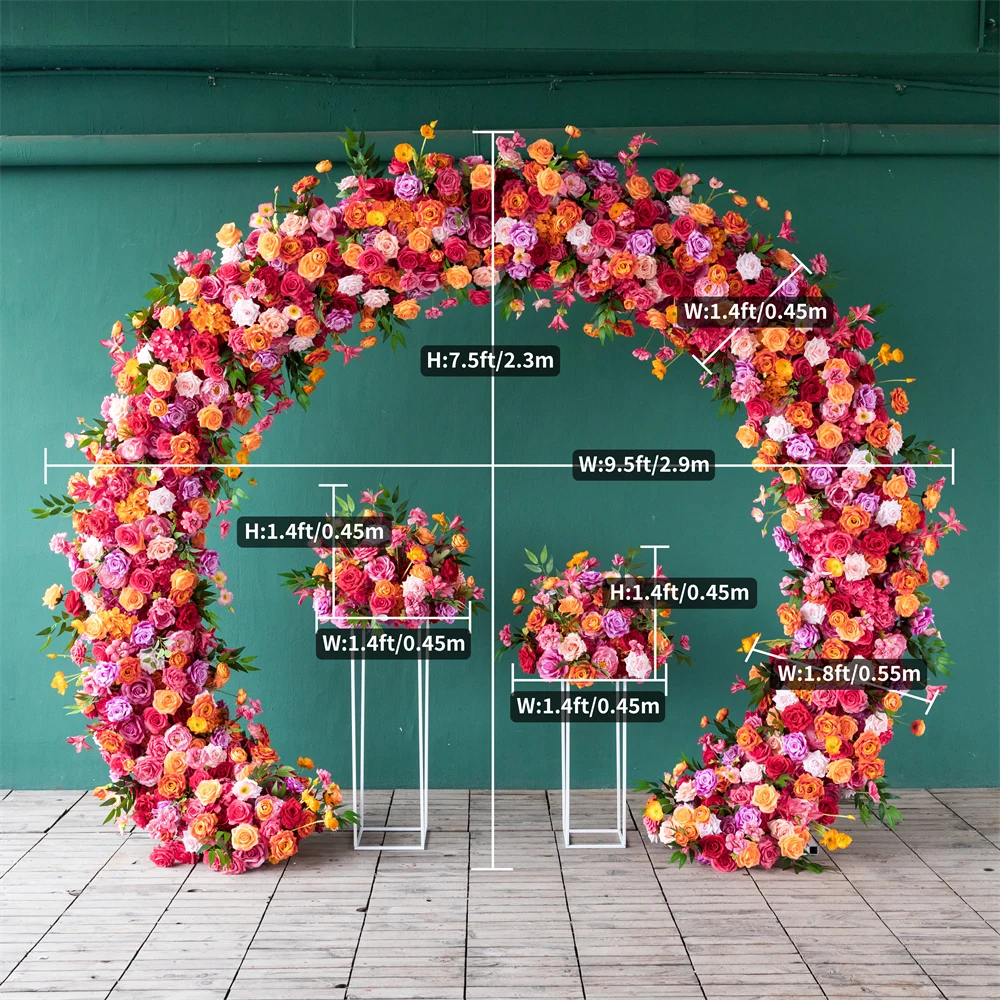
column 907, row 212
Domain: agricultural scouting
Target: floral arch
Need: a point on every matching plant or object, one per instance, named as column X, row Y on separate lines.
column 227, row 340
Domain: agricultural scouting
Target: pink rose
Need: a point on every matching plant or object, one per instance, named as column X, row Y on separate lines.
column 603, row 233
column 853, row 700
column 769, row 852
column 147, row 771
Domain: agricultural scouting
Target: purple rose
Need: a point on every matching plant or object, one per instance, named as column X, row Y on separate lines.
column 132, row 729
column 806, row 636
column 339, row 320
column 523, row 235
column 705, row 782
column 868, row 502
column 140, row 691
column 908, row 474
column 117, row 708
column 747, row 817
column 591, row 579
column 550, row 666
column 220, row 738
column 794, row 746
column 519, row 271
column 105, row 673
column 198, row 672
column 603, row 171
column 267, row 360
column 865, row 397
column 114, row 570
column 641, row 241
column 409, row 187
column 615, row 624
column 800, row 447
column 820, row 475
column 922, row 621
column 699, row 246
column 190, row 487
column 445, row 612
column 143, row 635
column 208, row 562
column 781, row 539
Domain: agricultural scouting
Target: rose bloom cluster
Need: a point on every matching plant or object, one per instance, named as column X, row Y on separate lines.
column 197, row 772
column 570, row 635
column 416, row 580
column 761, row 796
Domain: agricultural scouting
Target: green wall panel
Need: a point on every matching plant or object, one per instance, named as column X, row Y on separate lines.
column 79, row 243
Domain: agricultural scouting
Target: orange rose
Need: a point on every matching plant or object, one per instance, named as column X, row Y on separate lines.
column 481, row 176
column 210, row 417
column 854, row 519
column 792, row 845
column 282, row 846
column 245, row 837
column 269, row 244
column 639, row 187
column 828, row 435
column 907, row 604
column 313, row 264
column 166, row 701
column 171, row 786
column 841, row 392
column 892, row 701
column 774, row 338
column 549, row 182
column 228, row 235
column 407, row 309
column 541, row 151
column 457, row 277
column 808, row 787
column 826, row 725
column 749, row 857
column 536, row 620
column 748, row 436
column 867, row 746
column 204, row 826
column 765, row 798
column 571, row 606
column 840, row 771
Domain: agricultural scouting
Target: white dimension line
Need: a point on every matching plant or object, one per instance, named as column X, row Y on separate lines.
column 656, row 628
column 492, row 133
column 777, row 288
column 929, row 702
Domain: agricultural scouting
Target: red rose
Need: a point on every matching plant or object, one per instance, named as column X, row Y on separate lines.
column 683, row 227
column 725, row 863
column 863, row 338
column 408, row 258
column 758, row 410
column 480, row 297
column 200, row 269
column 539, row 202
column 866, row 374
column 162, row 856
column 526, row 656
column 454, row 249
column 369, row 260
column 603, row 233
column 777, row 766
column 539, row 253
column 290, row 814
column 796, row 718
column 188, row 617
column 646, row 212
column 812, row 390
column 229, row 273
column 541, row 280
column 238, row 812
column 449, row 570
column 665, row 180
column 350, row 580
column 769, row 852
column 671, row 282
column 74, row 604
column 156, row 722
column 838, row 603
column 712, row 846
column 479, row 200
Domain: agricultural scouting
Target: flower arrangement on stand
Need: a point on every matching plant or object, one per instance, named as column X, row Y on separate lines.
column 417, row 580
column 574, row 633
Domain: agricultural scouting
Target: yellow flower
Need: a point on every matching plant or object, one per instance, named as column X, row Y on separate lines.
column 577, row 559
column 330, row 821
column 52, row 596
column 404, row 152
column 427, row 131
column 324, row 167
column 654, row 810
column 573, row 132
column 306, row 762
column 59, row 682
column 441, row 519
column 748, row 643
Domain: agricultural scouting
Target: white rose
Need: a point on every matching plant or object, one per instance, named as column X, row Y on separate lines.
column 751, row 771
column 855, row 566
column 813, row 613
column 816, row 764
column 161, row 500
column 245, row 312
column 779, row 429
column 187, row 384
column 748, row 264
column 816, row 351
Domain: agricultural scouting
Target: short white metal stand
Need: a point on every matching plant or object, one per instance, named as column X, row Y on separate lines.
column 358, row 751
column 621, row 752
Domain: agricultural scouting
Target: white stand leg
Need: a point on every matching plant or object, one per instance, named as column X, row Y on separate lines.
column 621, row 757
column 358, row 759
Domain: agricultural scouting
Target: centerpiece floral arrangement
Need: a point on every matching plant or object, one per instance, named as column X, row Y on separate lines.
column 230, row 339
column 416, row 580
column 574, row 633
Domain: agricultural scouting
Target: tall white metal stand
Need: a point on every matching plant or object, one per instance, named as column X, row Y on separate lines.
column 621, row 754
column 358, row 758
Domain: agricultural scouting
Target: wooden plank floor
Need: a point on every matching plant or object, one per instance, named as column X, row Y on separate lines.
column 910, row 914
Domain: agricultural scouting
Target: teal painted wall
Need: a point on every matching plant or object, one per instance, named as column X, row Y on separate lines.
column 918, row 231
